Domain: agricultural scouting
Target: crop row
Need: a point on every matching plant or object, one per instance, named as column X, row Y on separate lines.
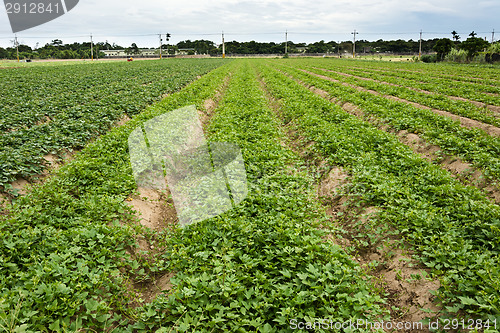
column 25, row 85
column 63, row 258
column 443, row 73
column 48, row 93
column 260, row 266
column 472, row 145
column 487, row 93
column 454, row 229
column 400, row 89
column 479, row 74
column 69, row 120
column 423, row 81
column 252, row 269
column 35, row 87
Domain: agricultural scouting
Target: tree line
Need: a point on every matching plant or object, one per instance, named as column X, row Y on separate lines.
column 468, row 50
column 442, row 47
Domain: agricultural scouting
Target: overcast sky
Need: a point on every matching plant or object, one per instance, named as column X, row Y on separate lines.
column 127, row 21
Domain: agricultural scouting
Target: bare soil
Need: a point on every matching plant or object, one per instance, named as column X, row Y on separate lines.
column 493, row 108
column 390, row 265
column 464, row 171
column 404, row 282
column 155, row 210
column 211, row 104
column 464, row 122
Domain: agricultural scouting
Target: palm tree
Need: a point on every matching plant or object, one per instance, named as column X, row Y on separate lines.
column 456, row 37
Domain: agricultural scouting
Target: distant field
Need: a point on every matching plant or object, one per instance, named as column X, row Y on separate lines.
column 55, row 62
column 387, row 57
column 374, row 192
column 50, row 107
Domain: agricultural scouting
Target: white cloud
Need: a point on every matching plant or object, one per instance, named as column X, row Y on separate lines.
column 122, row 21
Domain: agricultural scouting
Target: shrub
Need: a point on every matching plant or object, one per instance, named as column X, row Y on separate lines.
column 456, row 55
column 429, row 58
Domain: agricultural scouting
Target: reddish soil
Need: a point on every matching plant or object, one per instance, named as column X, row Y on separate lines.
column 391, row 267
column 465, row 172
column 465, row 122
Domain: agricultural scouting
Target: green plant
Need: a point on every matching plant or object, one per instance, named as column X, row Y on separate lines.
column 75, row 104
column 457, row 55
column 451, row 226
column 66, row 242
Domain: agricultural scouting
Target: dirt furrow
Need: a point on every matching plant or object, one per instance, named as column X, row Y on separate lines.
column 439, row 76
column 155, row 210
column 391, row 266
column 212, row 103
column 464, row 122
column 464, row 171
column 493, row 108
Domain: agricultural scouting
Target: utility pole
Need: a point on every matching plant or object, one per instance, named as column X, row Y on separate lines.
column 286, row 42
column 493, row 36
column 161, row 46
column 17, row 48
column 420, row 46
column 354, row 44
column 168, row 38
column 223, row 47
column 91, row 48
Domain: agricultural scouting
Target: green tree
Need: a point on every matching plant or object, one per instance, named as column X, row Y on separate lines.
column 67, row 54
column 133, row 49
column 318, row 47
column 56, row 42
column 443, row 47
column 3, row 53
column 473, row 45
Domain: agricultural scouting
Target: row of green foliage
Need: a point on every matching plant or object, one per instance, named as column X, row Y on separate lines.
column 483, row 92
column 63, row 245
column 471, row 145
column 46, row 90
column 454, row 229
column 263, row 264
column 478, row 74
column 441, row 85
column 401, row 89
column 49, row 109
column 481, row 79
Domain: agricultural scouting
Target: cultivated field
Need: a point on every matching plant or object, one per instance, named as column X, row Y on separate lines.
column 373, row 199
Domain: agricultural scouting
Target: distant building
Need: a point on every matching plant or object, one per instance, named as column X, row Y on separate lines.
column 185, row 52
column 124, row 53
column 302, row 49
column 147, row 53
column 114, row 53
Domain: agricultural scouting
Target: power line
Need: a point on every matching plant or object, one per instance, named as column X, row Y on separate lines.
column 249, row 34
column 269, row 33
